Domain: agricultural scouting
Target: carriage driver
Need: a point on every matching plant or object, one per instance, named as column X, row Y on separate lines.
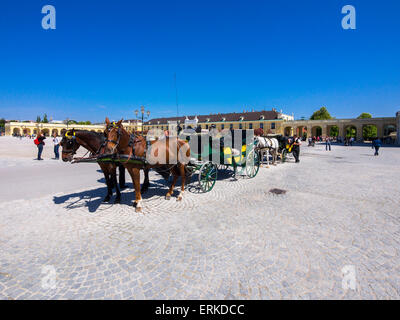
column 296, row 147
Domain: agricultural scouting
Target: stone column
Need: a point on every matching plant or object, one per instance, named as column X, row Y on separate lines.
column 379, row 129
column 324, row 128
column 341, row 133
column 359, row 134
column 309, row 131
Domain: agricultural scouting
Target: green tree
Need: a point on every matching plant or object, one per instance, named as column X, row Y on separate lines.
column 369, row 131
column 45, row 119
column 351, row 132
column 364, row 115
column 38, row 119
column 334, row 131
column 321, row 114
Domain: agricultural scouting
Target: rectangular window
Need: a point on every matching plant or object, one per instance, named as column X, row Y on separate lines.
column 240, row 126
column 250, row 126
column 206, row 126
column 262, row 125
column 273, row 125
column 222, row 126
column 231, row 126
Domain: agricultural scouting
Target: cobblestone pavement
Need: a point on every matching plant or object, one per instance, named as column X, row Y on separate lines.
column 240, row 241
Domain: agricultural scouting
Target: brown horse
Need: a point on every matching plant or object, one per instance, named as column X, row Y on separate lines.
column 95, row 143
column 169, row 154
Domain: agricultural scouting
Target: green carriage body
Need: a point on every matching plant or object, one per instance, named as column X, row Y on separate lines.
column 203, row 159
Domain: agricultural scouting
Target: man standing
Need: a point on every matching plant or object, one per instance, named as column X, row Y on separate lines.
column 328, row 143
column 377, row 143
column 56, row 141
column 296, row 148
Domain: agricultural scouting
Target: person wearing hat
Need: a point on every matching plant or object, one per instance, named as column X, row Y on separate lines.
column 296, row 147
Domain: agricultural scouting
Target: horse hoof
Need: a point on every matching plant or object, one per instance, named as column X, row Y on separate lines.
column 106, row 199
column 167, row 197
column 137, row 209
column 117, row 200
column 179, row 199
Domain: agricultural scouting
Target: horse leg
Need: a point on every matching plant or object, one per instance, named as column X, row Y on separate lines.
column 114, row 177
column 182, row 173
column 109, row 187
column 121, row 170
column 171, row 189
column 135, row 174
column 146, row 182
column 267, row 152
column 261, row 155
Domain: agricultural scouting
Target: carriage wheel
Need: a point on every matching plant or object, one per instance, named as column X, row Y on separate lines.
column 252, row 164
column 284, row 155
column 207, row 176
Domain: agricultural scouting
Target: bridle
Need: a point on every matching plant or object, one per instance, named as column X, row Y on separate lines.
column 70, row 137
column 108, row 130
column 131, row 144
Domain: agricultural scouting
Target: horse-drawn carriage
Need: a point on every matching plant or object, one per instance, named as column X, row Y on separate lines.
column 218, row 153
column 209, row 155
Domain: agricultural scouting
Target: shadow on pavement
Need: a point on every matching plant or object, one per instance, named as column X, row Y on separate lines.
column 91, row 199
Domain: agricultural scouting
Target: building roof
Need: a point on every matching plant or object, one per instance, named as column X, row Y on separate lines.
column 228, row 117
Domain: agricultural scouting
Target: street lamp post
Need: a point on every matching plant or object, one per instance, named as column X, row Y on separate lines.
column 142, row 115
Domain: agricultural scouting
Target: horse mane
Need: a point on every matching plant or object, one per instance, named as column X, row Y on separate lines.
column 90, row 135
column 95, row 135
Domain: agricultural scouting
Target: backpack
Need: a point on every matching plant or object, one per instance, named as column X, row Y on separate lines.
column 36, row 141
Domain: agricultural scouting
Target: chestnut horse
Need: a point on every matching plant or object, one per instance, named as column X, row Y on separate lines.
column 166, row 155
column 95, row 142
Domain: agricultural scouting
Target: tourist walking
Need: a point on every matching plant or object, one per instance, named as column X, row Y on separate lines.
column 40, row 143
column 296, row 148
column 328, row 143
column 56, row 141
column 377, row 143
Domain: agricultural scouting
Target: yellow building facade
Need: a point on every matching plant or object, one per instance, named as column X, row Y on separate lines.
column 29, row 128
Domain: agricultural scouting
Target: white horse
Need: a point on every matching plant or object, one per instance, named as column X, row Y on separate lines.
column 267, row 146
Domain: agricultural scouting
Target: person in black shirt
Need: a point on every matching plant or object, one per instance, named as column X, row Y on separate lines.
column 296, row 147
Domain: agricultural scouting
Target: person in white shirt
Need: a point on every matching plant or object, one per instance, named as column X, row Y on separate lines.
column 56, row 141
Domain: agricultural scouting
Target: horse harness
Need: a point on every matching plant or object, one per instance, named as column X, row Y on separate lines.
column 133, row 139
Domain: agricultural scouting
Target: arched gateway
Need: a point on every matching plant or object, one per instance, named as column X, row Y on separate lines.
column 384, row 127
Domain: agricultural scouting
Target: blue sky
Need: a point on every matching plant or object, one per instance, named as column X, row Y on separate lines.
column 106, row 58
